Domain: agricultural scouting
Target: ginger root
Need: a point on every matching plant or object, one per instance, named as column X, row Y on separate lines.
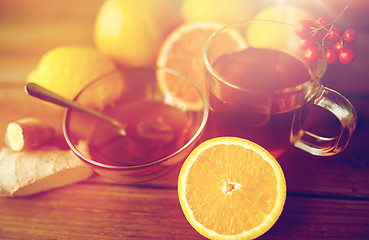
column 27, row 134
column 30, row 172
column 34, row 161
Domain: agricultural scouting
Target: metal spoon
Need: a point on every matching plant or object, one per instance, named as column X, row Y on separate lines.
column 37, row 91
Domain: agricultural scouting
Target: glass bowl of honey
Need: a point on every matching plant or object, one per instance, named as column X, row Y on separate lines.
column 163, row 113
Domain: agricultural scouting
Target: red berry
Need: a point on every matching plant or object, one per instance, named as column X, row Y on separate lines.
column 322, row 21
column 338, row 46
column 346, row 55
column 312, row 53
column 331, row 55
column 350, row 36
column 306, row 42
column 327, row 45
column 303, row 27
column 319, row 35
column 334, row 34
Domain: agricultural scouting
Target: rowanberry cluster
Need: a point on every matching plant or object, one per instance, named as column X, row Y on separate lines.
column 333, row 41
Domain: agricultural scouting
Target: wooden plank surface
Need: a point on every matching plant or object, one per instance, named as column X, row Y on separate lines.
column 109, row 211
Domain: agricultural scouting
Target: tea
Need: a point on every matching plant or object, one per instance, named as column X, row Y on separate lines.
column 263, row 89
column 247, row 105
column 154, row 130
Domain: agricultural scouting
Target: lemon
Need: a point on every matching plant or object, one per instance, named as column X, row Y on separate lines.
column 131, row 31
column 268, row 35
column 223, row 11
column 287, row 13
column 65, row 70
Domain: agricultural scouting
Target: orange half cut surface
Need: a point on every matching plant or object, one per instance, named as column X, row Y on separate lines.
column 182, row 51
column 231, row 188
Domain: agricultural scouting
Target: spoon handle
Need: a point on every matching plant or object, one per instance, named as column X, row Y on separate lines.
column 39, row 92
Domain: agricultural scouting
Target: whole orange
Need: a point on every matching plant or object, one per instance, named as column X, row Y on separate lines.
column 131, row 31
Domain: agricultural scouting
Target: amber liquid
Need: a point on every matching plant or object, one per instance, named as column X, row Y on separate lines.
column 154, row 130
column 257, row 114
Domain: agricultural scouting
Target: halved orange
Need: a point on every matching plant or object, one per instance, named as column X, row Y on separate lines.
column 231, row 188
column 182, row 50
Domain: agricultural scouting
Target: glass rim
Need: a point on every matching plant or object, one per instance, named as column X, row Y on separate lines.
column 209, row 68
column 204, row 118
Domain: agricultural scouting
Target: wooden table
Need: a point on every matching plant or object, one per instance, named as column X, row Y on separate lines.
column 328, row 198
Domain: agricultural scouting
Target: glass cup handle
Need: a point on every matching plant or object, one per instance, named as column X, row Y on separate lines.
column 324, row 146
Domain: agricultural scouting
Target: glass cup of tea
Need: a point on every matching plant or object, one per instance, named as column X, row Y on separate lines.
column 260, row 87
column 160, row 128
